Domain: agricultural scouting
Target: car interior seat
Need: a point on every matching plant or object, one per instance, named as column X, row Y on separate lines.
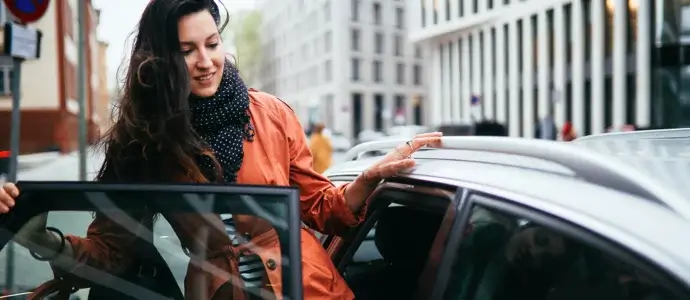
column 404, row 237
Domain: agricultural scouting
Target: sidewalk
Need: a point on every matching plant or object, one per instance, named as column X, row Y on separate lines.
column 29, row 161
column 64, row 168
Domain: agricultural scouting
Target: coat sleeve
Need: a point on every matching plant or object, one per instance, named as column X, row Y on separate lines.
column 322, row 204
column 105, row 248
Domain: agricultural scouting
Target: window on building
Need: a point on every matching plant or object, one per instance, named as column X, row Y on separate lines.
column 355, row 69
column 377, row 13
column 354, row 10
column 378, row 42
column 378, row 72
column 305, row 51
column 355, row 39
column 423, row 12
column 417, row 51
column 398, row 45
column 400, row 73
column 399, row 17
column 327, row 11
column 417, row 74
column 328, row 71
column 328, row 41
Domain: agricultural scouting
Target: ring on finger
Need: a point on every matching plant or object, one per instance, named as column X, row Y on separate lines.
column 409, row 144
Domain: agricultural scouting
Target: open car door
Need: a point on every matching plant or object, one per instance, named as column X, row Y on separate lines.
column 72, row 205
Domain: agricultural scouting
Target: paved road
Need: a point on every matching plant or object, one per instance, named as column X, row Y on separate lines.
column 30, row 273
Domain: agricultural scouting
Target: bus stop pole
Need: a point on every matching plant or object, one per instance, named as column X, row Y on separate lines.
column 14, row 154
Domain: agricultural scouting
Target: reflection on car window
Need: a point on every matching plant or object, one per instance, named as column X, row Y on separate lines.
column 505, row 257
column 167, row 264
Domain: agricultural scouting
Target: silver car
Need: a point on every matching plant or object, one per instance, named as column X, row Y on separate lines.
column 604, row 217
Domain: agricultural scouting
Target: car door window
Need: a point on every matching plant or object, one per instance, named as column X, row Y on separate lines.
column 504, row 256
column 72, row 206
column 389, row 260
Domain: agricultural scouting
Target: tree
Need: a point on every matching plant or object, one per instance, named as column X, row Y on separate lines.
column 244, row 34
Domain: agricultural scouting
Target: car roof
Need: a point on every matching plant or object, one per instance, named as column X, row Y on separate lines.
column 553, row 187
column 546, row 156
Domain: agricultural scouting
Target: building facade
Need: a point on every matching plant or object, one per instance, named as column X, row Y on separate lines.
column 49, row 90
column 345, row 63
column 597, row 63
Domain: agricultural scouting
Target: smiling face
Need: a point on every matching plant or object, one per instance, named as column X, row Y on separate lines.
column 203, row 51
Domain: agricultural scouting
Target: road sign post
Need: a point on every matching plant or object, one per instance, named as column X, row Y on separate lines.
column 21, row 42
column 81, row 11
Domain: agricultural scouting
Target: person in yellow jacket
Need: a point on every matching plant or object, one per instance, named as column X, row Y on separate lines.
column 321, row 148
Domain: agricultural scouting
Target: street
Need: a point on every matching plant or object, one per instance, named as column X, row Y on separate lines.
column 30, row 272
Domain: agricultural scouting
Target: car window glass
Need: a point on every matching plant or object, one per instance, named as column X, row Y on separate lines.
column 71, row 211
column 389, row 261
column 503, row 256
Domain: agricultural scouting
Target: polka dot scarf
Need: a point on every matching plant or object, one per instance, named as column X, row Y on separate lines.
column 223, row 122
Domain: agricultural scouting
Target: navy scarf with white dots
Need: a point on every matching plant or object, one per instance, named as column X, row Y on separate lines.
column 223, row 122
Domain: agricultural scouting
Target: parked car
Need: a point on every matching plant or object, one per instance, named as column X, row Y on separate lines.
column 340, row 142
column 369, row 136
column 497, row 218
column 479, row 218
column 406, row 131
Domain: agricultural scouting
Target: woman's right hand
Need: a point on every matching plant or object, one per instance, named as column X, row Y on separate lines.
column 8, row 193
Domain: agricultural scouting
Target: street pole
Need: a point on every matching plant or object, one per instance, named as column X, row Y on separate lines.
column 14, row 154
column 81, row 85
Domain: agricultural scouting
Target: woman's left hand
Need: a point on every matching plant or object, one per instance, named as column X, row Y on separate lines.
column 399, row 159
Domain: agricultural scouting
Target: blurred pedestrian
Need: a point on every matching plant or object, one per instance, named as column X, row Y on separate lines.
column 321, row 148
column 568, row 132
column 546, row 129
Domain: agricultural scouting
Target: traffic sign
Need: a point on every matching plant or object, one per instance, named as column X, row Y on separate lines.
column 22, row 41
column 27, row 11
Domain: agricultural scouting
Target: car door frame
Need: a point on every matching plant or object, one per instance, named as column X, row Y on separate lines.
column 22, row 213
column 334, row 245
column 512, row 203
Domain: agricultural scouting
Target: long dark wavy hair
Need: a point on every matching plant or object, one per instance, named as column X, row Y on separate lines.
column 152, row 139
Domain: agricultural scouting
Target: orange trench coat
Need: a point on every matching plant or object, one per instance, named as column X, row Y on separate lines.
column 279, row 155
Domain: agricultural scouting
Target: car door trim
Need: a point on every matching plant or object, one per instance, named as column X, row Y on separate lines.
column 453, row 242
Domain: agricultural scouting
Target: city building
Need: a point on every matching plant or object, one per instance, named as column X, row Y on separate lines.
column 49, row 91
column 599, row 64
column 103, row 101
column 345, row 63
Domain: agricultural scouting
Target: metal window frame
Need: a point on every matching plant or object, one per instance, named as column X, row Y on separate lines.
column 586, row 164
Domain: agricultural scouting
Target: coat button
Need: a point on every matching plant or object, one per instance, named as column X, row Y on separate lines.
column 271, row 264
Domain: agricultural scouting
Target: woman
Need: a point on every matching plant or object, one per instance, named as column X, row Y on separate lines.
column 186, row 116
column 321, row 149
column 568, row 133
